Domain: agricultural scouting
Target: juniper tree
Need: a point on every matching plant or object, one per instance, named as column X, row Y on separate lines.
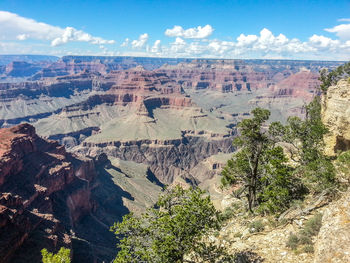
column 172, row 230
column 259, row 166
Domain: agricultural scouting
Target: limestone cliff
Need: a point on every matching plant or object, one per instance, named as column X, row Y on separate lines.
column 336, row 117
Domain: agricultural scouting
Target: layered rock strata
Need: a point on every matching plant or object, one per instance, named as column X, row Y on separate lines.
column 36, row 175
column 50, row 198
column 336, row 117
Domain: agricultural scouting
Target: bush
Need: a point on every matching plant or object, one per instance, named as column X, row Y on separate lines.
column 174, row 229
column 238, row 235
column 308, row 249
column 256, row 226
column 293, row 241
column 343, row 165
column 305, row 235
column 312, row 226
column 62, row 256
column 227, row 214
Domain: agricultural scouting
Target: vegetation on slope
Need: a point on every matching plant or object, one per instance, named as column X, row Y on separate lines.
column 274, row 165
column 331, row 78
column 62, row 256
column 175, row 231
column 266, row 176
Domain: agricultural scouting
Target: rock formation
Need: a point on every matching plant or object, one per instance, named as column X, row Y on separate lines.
column 336, row 117
column 69, row 65
column 333, row 241
column 50, row 198
column 34, row 175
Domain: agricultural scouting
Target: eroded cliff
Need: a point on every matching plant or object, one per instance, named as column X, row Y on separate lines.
column 336, row 117
column 50, row 198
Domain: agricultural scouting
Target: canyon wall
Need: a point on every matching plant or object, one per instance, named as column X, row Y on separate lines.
column 50, row 198
column 336, row 117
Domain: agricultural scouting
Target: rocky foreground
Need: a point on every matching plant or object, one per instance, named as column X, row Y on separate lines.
column 50, row 198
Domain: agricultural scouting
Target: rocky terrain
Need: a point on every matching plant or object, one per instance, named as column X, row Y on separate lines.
column 15, row 68
column 331, row 244
column 51, row 198
column 336, row 116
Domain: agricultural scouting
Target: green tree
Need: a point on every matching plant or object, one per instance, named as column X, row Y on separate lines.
column 315, row 169
column 307, row 135
column 329, row 78
column 62, row 256
column 176, row 228
column 259, row 165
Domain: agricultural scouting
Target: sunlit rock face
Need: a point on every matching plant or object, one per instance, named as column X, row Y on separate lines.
column 336, row 117
column 333, row 240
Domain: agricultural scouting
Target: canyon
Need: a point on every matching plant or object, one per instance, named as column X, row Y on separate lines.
column 85, row 140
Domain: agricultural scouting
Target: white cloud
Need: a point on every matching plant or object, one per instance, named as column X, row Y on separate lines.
column 156, row 48
column 264, row 45
column 344, row 20
column 140, row 42
column 248, row 40
column 22, row 37
column 71, row 34
column 192, row 42
column 125, row 43
column 342, row 31
column 323, row 42
column 195, row 32
column 13, row 26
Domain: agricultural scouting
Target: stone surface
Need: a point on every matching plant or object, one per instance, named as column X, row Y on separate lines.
column 333, row 241
column 336, row 117
column 50, row 198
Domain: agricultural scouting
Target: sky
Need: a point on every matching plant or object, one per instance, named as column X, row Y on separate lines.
column 285, row 29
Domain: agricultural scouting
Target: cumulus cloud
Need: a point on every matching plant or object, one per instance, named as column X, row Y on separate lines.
column 263, row 45
column 140, row 42
column 71, row 34
column 156, row 48
column 323, row 42
column 342, row 31
column 13, row 26
column 195, row 32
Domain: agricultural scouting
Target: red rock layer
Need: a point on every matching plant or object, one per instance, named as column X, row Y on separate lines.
column 35, row 176
column 225, row 77
column 302, row 84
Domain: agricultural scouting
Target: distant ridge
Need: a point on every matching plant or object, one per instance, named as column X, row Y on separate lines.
column 6, row 59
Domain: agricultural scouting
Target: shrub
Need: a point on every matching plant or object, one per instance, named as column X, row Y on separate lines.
column 62, row 256
column 256, row 226
column 305, row 235
column 312, row 226
column 308, row 249
column 227, row 214
column 238, row 235
column 174, row 229
column 343, row 165
column 293, row 241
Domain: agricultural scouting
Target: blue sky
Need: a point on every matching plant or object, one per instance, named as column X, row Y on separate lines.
column 223, row 29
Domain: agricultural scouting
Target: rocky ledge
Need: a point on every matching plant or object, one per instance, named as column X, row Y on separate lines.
column 336, row 117
column 44, row 192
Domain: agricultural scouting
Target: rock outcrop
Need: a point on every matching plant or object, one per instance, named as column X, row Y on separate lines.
column 50, row 198
column 336, row 117
column 333, row 242
column 35, row 175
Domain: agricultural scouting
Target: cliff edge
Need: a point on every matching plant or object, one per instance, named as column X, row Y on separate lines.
column 336, row 117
